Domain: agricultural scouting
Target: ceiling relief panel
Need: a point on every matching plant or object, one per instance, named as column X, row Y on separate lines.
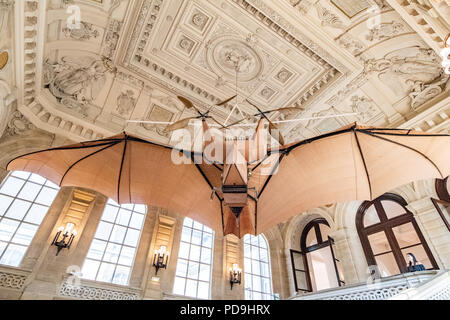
column 129, row 60
column 202, row 45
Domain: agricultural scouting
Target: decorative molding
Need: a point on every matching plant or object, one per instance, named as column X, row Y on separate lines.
column 94, row 292
column 13, row 279
column 18, row 125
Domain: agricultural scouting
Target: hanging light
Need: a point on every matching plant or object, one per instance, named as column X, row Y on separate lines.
column 235, row 275
column 68, row 234
column 160, row 258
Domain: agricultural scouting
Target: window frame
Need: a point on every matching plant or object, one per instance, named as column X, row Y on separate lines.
column 189, row 259
column 33, row 203
column 122, row 244
column 387, row 225
column 251, row 274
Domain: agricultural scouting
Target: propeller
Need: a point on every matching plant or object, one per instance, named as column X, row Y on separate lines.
column 272, row 126
column 189, row 105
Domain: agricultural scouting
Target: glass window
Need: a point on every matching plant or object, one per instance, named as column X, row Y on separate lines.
column 111, row 255
column 193, row 273
column 257, row 271
column 388, row 232
column 24, row 202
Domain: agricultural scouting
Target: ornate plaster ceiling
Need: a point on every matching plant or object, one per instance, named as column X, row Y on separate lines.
column 129, row 60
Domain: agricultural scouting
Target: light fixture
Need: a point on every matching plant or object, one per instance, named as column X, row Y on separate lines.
column 235, row 275
column 67, row 237
column 160, row 258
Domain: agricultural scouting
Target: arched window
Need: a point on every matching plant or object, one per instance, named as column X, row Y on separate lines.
column 193, row 275
column 320, row 263
column 111, row 255
column 24, row 202
column 388, row 232
column 257, row 271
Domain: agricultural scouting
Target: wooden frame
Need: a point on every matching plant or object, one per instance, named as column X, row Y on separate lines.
column 436, row 203
column 387, row 225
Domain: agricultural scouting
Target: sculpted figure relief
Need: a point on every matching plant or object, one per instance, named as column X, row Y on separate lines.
column 415, row 71
column 76, row 82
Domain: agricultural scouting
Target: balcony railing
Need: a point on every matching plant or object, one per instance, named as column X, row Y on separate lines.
column 423, row 285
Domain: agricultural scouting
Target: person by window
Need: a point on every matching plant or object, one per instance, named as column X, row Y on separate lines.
column 413, row 263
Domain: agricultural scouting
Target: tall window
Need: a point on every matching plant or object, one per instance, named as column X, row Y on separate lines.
column 193, row 275
column 111, row 255
column 388, row 232
column 257, row 274
column 317, row 247
column 24, row 202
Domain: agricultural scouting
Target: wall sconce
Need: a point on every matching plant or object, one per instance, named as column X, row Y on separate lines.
column 69, row 234
column 160, row 258
column 235, row 275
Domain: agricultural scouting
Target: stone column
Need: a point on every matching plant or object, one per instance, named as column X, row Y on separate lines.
column 433, row 229
column 348, row 266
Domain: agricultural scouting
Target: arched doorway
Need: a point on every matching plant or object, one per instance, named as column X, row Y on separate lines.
column 388, row 232
column 315, row 266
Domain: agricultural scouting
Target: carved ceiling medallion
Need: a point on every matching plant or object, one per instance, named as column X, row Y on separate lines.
column 226, row 55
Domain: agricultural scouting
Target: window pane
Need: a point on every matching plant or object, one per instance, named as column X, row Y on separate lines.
column 110, row 213
column 371, row 217
column 21, row 174
column 25, row 234
column 12, row 186
column 103, row 230
column 184, row 250
column 379, row 243
column 195, row 253
column 181, row 268
column 124, row 217
column 203, row 290
column 195, row 247
column 97, row 249
column 18, row 209
column 29, row 191
column 420, row 255
column 90, row 268
column 206, row 255
column 121, row 275
column 36, row 214
column 204, row 272
column 13, row 255
column 112, row 252
column 46, row 196
column 193, row 269
column 118, row 234
column 196, row 237
column 178, row 287
column 7, row 229
column 127, row 256
column 392, row 209
column 311, row 238
column 387, row 265
column 186, row 234
column 406, row 235
column 191, row 288
column 4, row 204
column 37, row 178
column 105, row 273
column 137, row 220
column 132, row 237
